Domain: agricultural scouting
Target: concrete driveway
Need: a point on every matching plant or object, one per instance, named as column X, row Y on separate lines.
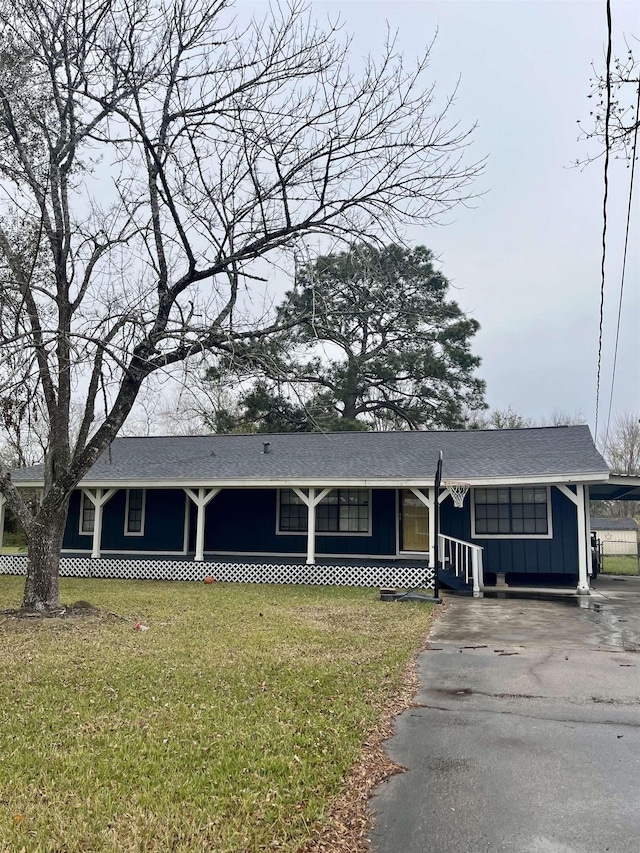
column 525, row 734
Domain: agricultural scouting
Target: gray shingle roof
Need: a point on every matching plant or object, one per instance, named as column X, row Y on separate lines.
column 327, row 457
column 614, row 524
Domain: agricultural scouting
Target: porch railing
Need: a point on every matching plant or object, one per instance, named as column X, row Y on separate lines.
column 465, row 559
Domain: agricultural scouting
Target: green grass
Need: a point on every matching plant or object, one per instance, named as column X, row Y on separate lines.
column 619, row 564
column 228, row 726
column 14, row 549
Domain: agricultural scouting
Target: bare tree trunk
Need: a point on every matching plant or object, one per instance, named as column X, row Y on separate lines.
column 44, row 542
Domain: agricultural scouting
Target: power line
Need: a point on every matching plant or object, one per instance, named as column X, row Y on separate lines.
column 604, row 212
column 624, row 265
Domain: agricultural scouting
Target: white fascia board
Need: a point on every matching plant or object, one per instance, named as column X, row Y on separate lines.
column 624, row 480
column 306, row 482
column 548, row 479
column 335, row 482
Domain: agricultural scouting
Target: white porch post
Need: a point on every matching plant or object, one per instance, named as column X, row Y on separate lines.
column 311, row 501
column 2, row 508
column 476, row 572
column 98, row 500
column 311, row 527
column 201, row 498
column 584, row 545
column 97, row 525
column 202, row 507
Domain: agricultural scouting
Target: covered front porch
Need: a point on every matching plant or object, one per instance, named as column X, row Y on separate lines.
column 381, row 535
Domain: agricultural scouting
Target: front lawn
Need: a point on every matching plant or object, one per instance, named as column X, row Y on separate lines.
column 228, row 726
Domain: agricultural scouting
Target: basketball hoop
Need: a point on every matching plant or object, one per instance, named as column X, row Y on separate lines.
column 457, row 490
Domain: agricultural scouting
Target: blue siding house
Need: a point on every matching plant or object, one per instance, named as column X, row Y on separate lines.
column 349, row 507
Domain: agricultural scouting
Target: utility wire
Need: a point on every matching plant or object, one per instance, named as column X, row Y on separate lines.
column 624, row 265
column 604, row 212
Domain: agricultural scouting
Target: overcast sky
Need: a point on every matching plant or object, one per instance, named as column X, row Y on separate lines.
column 526, row 260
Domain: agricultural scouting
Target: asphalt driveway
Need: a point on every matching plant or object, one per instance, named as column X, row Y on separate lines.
column 525, row 734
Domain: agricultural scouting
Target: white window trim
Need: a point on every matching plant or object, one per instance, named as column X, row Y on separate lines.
column 326, row 533
column 548, row 535
column 140, row 532
column 81, row 530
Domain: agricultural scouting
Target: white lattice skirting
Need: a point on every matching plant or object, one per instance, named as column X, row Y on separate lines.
column 392, row 576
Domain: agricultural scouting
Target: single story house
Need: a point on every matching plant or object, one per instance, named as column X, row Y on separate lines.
column 352, row 508
column 617, row 535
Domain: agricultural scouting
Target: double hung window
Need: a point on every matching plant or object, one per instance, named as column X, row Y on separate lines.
column 87, row 514
column 340, row 511
column 511, row 511
column 134, row 513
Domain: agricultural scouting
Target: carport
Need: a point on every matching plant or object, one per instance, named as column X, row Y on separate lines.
column 619, row 487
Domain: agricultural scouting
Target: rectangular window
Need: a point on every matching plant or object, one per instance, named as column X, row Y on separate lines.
column 293, row 512
column 340, row 511
column 87, row 514
column 134, row 513
column 511, row 512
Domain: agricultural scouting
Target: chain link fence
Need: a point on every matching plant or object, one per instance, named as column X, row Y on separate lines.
column 617, row 556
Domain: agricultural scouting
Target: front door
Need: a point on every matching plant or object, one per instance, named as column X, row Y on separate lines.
column 414, row 523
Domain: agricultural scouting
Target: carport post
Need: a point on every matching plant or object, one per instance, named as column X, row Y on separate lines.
column 583, row 544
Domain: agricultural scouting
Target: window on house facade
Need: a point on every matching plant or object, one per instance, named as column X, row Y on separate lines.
column 134, row 518
column 511, row 512
column 340, row 511
column 87, row 514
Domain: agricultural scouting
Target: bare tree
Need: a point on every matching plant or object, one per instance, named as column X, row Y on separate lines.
column 622, row 85
column 510, row 419
column 158, row 151
column 175, row 406
column 561, row 417
column 622, row 444
column 498, row 419
column 22, row 415
column 622, row 451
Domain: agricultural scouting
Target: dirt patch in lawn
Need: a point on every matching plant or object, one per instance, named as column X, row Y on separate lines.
column 77, row 610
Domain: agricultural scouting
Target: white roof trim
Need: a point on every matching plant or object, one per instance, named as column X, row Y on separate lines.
column 307, row 482
column 632, row 480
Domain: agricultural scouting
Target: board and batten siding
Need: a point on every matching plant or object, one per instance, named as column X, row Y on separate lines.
column 163, row 527
column 557, row 556
column 244, row 521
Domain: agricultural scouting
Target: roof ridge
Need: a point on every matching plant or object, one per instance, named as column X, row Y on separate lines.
column 405, row 432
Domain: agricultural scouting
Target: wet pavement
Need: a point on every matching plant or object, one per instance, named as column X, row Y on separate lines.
column 525, row 734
